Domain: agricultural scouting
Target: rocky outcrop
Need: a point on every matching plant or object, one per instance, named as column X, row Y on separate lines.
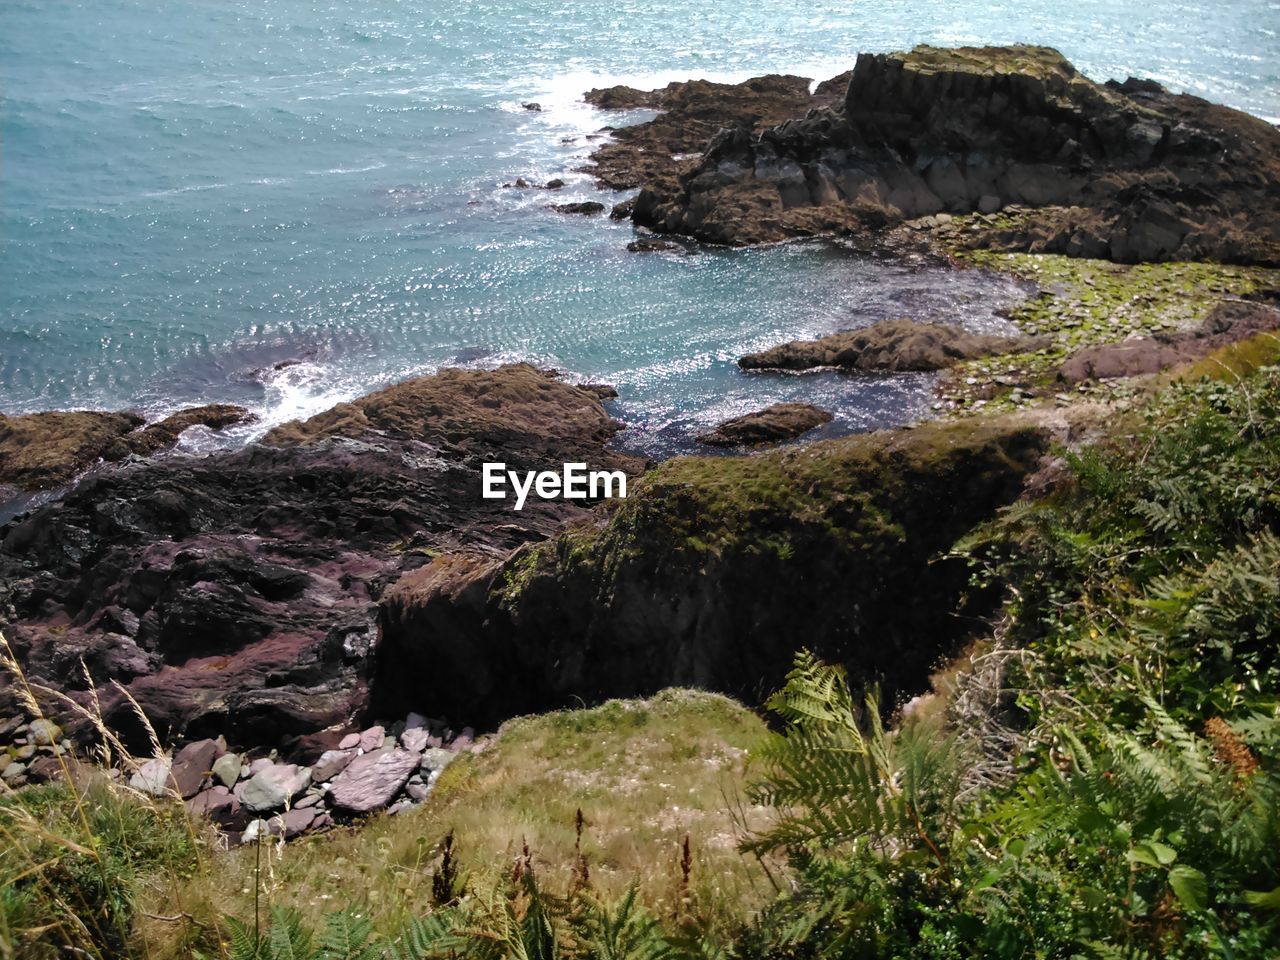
column 711, row 574
column 774, row 424
column 39, row 451
column 691, row 113
column 587, row 208
column 1128, row 172
column 890, row 346
column 237, row 593
column 1228, row 323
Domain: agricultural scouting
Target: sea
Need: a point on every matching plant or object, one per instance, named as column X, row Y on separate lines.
column 288, row 203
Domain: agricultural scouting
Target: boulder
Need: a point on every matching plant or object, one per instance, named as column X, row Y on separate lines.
column 192, row 764
column 296, row 822
column 372, row 739
column 890, row 346
column 331, row 763
column 226, row 769
column 435, row 759
column 273, row 787
column 773, row 424
column 372, row 780
column 152, row 777
column 415, row 740
column 217, row 804
column 44, row 733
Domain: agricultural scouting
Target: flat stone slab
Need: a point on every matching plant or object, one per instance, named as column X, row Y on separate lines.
column 371, row 781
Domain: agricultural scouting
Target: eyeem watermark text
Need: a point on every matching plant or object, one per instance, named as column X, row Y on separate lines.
column 574, row 482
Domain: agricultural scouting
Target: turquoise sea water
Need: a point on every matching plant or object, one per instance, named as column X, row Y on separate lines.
column 191, row 193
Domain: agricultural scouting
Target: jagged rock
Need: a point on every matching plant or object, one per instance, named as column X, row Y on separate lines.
column 588, row 207
column 532, row 107
column 152, row 777
column 332, row 763
column 890, row 346
column 43, row 450
column 226, row 769
column 191, row 765
column 622, row 97
column 1229, row 322
column 372, row 738
column 238, row 593
column 415, row 740
column 691, row 114
column 782, row 421
column 272, row 787
column 371, row 781
column 1128, row 171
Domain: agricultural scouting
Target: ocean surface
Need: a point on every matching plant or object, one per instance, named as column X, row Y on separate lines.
column 193, row 193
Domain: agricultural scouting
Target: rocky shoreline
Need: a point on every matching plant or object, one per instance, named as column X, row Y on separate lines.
column 264, row 608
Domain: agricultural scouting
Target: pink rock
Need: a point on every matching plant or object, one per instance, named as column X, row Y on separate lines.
column 192, row 765
column 330, row 764
column 372, row 738
column 349, row 742
column 371, row 781
column 217, row 804
column 415, row 739
column 296, row 821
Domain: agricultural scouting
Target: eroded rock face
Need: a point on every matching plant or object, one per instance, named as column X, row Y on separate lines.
column 774, row 424
column 712, row 574
column 1128, row 171
column 890, row 346
column 237, row 593
column 1229, row 322
column 39, row 451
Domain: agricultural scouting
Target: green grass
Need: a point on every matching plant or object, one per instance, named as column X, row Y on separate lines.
column 644, row 773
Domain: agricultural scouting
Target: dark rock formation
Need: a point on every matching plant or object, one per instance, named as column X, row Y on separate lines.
column 622, row 97
column 39, row 451
column 692, row 113
column 237, row 593
column 586, row 207
column 1229, row 322
column 654, row 245
column 890, row 346
column 782, row 421
column 712, row 573
column 1126, row 171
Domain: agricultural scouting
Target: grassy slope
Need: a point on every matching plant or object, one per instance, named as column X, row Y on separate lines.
column 644, row 773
